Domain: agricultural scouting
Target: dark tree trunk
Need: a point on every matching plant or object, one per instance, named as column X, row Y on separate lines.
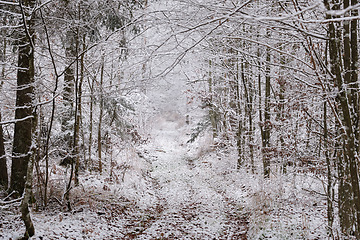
column 3, row 165
column 24, row 206
column 239, row 133
column 78, row 116
column 266, row 123
column 99, row 136
column 349, row 193
column 354, row 98
column 330, row 184
column 24, row 107
column 212, row 111
column 89, row 160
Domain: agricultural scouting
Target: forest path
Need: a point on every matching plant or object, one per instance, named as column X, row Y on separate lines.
column 194, row 206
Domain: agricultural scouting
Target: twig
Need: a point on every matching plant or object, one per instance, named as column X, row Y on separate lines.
column 315, row 192
column 11, row 201
column 8, row 196
column 58, row 201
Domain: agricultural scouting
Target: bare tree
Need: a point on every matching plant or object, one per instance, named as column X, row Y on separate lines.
column 3, row 166
column 24, row 100
column 348, row 89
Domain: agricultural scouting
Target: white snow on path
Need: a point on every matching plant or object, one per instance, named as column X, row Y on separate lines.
column 195, row 206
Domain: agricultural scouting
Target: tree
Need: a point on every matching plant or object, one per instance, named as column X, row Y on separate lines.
column 3, row 165
column 24, row 99
column 348, row 90
column 266, row 124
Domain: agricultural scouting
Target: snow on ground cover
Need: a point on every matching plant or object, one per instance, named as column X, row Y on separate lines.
column 288, row 207
column 189, row 203
column 196, row 207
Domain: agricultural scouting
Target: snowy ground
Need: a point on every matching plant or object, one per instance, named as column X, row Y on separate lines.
column 179, row 190
column 181, row 198
column 195, row 206
column 171, row 189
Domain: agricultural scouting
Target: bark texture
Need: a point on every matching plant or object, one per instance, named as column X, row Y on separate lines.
column 344, row 36
column 3, row 165
column 24, row 104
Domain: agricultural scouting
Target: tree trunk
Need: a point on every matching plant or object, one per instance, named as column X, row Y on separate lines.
column 78, row 117
column 91, row 86
column 53, row 108
column 22, row 161
column 26, row 201
column 24, row 206
column 68, row 117
column 24, row 105
column 260, row 99
column 3, row 165
column 330, row 187
column 354, row 98
column 212, row 111
column 349, row 192
column 100, row 118
column 266, row 123
column 281, row 112
column 239, row 133
column 78, row 85
column 248, row 110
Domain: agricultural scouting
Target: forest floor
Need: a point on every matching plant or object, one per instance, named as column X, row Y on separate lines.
column 171, row 189
column 183, row 197
column 192, row 195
